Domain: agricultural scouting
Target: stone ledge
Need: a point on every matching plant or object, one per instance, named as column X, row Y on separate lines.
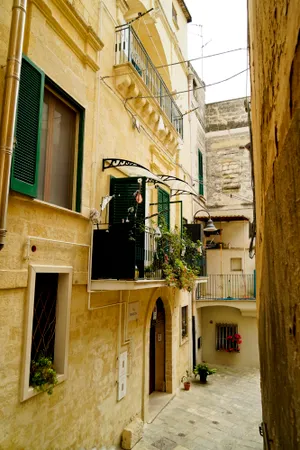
column 13, row 279
column 132, row 434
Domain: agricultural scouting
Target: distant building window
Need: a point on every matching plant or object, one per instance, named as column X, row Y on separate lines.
column 236, row 264
column 223, row 330
column 200, row 173
column 174, row 15
column 184, row 321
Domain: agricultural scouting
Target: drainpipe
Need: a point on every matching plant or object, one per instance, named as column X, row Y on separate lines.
column 9, row 109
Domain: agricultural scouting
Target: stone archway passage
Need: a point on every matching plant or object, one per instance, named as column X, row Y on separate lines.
column 157, row 349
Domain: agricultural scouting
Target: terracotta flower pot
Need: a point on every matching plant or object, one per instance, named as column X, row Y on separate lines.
column 187, row 385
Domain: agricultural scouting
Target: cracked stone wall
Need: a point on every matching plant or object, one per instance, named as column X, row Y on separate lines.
column 274, row 27
column 228, row 166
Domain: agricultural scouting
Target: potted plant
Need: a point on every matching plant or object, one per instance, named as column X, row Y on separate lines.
column 186, row 381
column 148, row 271
column 203, row 371
column 43, row 375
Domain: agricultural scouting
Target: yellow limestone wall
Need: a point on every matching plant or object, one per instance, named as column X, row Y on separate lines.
column 274, row 28
column 83, row 410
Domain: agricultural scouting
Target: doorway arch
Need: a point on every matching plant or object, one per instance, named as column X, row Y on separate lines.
column 165, row 296
column 157, row 349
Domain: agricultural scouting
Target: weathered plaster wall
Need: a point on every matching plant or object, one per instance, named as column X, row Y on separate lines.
column 228, row 161
column 275, row 78
column 226, row 115
column 235, row 239
column 247, row 328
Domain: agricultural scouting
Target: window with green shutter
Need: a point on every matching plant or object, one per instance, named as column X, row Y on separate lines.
column 200, row 173
column 28, row 130
column 127, row 221
column 47, row 159
column 164, row 205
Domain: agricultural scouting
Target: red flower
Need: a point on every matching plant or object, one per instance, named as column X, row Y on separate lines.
column 237, row 336
column 229, row 338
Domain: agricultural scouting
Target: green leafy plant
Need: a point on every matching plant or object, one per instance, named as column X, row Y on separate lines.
column 186, row 378
column 43, row 376
column 179, row 257
column 202, row 370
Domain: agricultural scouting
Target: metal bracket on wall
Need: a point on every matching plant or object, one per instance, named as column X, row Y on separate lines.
column 263, row 431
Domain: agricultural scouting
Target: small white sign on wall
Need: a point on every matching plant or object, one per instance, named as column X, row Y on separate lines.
column 133, row 311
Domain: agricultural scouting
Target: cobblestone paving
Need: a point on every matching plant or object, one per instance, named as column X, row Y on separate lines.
column 224, row 414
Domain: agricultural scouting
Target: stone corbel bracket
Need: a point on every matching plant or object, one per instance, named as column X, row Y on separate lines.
column 129, row 84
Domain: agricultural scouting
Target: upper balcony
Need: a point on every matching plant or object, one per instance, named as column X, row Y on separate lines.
column 140, row 83
column 228, row 287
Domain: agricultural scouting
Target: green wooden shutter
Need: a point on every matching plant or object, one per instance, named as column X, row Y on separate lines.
column 129, row 225
column 24, row 175
column 123, row 190
column 200, row 173
column 164, row 203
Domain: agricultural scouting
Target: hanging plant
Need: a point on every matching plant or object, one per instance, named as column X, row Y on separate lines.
column 234, row 343
column 178, row 256
column 43, row 376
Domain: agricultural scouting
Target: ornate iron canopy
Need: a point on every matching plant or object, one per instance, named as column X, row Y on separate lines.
column 133, row 169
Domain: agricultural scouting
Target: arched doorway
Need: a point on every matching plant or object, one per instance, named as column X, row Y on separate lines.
column 157, row 350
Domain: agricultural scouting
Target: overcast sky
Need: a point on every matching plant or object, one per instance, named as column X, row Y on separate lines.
column 224, row 27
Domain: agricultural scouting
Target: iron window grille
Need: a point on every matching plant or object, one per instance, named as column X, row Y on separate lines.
column 223, row 331
column 44, row 316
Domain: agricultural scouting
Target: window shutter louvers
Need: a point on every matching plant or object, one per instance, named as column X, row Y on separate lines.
column 200, row 172
column 127, row 220
column 164, row 204
column 24, row 176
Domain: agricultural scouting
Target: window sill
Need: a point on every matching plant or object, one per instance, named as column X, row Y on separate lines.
column 184, row 340
column 31, row 392
column 37, row 202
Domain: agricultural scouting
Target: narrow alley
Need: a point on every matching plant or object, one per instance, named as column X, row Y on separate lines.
column 223, row 414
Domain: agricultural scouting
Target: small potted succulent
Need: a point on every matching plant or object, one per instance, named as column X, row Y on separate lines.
column 186, row 381
column 203, row 371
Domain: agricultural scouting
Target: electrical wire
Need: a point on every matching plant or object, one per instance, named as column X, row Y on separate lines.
column 188, row 90
column 207, row 85
column 180, row 62
column 132, row 115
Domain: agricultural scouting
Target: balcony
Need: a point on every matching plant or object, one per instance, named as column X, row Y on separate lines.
column 137, row 77
column 125, row 255
column 228, row 287
column 124, row 258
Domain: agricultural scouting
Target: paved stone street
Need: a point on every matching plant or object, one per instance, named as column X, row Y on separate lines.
column 224, row 414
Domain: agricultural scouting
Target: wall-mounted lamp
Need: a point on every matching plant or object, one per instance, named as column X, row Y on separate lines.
column 210, row 225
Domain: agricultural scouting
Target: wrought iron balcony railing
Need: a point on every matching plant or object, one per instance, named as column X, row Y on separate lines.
column 125, row 253
column 228, row 287
column 128, row 48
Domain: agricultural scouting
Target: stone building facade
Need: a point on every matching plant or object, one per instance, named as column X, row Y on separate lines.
column 274, row 29
column 226, row 304
column 83, row 88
